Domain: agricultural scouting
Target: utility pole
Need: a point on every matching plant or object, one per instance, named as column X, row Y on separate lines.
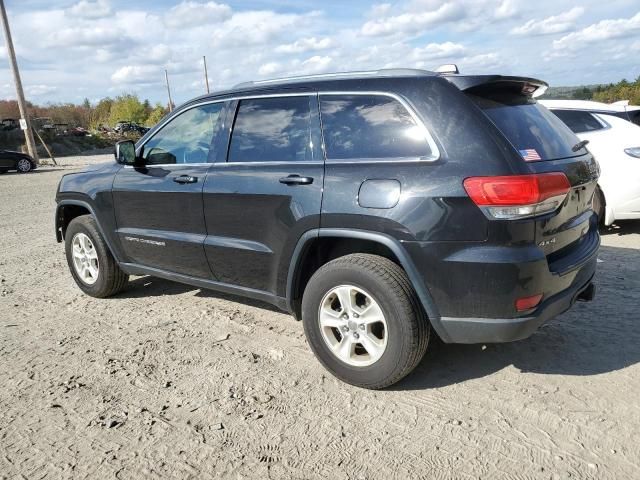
column 166, row 77
column 206, row 76
column 22, row 105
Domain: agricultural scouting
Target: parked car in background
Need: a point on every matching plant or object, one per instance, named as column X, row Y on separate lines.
column 615, row 142
column 21, row 162
column 631, row 112
column 9, row 124
column 374, row 206
column 123, row 127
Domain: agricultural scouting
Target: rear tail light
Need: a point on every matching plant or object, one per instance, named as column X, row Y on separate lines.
column 518, row 196
column 527, row 303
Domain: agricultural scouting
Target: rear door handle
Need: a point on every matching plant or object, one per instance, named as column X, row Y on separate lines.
column 185, row 179
column 296, row 180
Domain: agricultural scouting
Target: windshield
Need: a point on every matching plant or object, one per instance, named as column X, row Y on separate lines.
column 533, row 130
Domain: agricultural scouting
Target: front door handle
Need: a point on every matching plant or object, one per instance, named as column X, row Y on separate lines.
column 185, row 179
column 296, row 180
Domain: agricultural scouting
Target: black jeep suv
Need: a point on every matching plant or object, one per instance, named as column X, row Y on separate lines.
column 377, row 207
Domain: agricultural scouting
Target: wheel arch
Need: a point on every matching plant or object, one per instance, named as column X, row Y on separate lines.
column 383, row 245
column 67, row 210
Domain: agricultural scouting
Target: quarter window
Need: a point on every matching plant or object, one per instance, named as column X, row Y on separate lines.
column 370, row 127
column 271, row 130
column 578, row 121
column 186, row 138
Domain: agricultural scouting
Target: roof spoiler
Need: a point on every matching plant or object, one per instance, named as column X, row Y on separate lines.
column 479, row 84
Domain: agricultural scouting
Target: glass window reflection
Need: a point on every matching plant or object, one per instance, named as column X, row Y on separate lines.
column 186, row 138
column 271, row 129
column 370, row 126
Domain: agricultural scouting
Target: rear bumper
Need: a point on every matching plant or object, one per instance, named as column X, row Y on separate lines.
column 498, row 330
column 475, row 286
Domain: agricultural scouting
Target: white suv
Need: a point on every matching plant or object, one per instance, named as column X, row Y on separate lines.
column 615, row 142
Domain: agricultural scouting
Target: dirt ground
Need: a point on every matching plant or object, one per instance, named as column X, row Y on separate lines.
column 169, row 381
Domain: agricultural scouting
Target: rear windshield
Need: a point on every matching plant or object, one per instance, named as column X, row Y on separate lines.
column 533, row 130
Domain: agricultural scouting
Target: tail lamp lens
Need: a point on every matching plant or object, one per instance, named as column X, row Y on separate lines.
column 518, row 196
column 527, row 303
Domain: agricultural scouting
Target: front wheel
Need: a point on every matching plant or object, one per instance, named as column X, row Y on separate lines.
column 24, row 165
column 91, row 264
column 363, row 320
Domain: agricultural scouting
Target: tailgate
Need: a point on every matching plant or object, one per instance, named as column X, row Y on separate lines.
column 545, row 144
column 561, row 232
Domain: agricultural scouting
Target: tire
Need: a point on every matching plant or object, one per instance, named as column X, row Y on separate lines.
column 2, row 172
column 24, row 165
column 404, row 330
column 598, row 205
column 109, row 279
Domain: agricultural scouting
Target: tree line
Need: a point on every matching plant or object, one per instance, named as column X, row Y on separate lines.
column 105, row 113
column 623, row 90
column 128, row 107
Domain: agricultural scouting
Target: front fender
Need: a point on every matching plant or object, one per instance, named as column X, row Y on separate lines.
column 77, row 200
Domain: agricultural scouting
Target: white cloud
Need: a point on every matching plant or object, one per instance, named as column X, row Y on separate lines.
column 434, row 51
column 137, row 74
column 599, row 32
column 89, row 9
column 84, row 36
column 269, row 68
column 316, row 64
column 420, row 16
column 39, row 90
column 191, row 14
column 305, row 45
column 257, row 28
column 128, row 49
column 413, row 21
column 159, row 53
column 555, row 24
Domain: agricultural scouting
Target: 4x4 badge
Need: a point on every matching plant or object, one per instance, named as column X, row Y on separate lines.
column 544, row 243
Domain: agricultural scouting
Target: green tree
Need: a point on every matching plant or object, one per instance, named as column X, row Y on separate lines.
column 155, row 115
column 127, row 107
column 101, row 113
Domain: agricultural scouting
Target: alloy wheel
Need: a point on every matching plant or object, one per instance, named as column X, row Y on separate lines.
column 353, row 325
column 85, row 258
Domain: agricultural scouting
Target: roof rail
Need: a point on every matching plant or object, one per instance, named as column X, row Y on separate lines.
column 385, row 72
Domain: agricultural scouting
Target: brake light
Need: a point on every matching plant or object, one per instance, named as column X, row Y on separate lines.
column 518, row 196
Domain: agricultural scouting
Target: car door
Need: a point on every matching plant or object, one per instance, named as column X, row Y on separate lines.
column 267, row 191
column 7, row 160
column 158, row 204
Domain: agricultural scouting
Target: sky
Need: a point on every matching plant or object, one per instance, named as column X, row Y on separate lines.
column 69, row 50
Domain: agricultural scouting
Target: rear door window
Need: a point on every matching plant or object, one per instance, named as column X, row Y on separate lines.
column 578, row 121
column 275, row 129
column 370, row 127
column 533, row 130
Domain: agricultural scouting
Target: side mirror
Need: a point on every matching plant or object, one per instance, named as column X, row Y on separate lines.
column 126, row 152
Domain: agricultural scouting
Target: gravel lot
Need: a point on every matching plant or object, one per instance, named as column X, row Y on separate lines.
column 169, row 381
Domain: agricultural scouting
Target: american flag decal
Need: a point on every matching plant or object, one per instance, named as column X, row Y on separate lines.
column 530, row 155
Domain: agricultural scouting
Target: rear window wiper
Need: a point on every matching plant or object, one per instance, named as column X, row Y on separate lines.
column 579, row 145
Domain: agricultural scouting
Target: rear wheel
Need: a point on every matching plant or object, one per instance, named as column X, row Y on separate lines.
column 91, row 264
column 363, row 320
column 598, row 205
column 24, row 165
